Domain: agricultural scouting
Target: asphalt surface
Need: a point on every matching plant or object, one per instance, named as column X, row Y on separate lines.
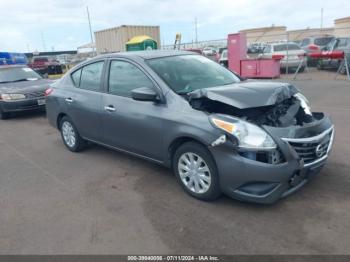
column 99, row 201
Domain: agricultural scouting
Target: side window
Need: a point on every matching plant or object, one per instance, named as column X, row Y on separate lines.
column 91, row 76
column 267, row 49
column 342, row 42
column 76, row 77
column 305, row 42
column 124, row 77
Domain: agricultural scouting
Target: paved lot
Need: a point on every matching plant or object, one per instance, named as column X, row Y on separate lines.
column 104, row 202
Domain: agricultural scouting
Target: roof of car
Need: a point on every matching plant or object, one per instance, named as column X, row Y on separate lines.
column 148, row 54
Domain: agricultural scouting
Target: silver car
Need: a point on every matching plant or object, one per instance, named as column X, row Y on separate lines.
column 292, row 55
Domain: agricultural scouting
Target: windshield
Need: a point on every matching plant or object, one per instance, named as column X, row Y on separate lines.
column 323, row 40
column 15, row 74
column 187, row 73
column 285, row 47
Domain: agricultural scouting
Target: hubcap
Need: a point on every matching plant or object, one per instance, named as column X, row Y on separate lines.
column 68, row 134
column 194, row 173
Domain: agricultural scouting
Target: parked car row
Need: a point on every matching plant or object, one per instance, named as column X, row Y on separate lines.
column 305, row 47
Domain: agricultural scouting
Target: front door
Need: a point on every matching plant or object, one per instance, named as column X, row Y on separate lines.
column 131, row 125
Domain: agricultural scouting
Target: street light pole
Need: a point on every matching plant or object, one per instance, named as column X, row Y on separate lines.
column 196, row 30
column 91, row 35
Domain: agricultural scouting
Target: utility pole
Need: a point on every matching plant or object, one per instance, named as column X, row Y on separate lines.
column 91, row 35
column 321, row 18
column 196, row 29
column 43, row 40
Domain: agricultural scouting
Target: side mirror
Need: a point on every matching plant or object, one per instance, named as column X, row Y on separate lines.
column 144, row 94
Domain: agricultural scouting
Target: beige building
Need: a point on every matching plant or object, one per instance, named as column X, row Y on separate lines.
column 114, row 39
column 265, row 34
column 342, row 27
column 300, row 34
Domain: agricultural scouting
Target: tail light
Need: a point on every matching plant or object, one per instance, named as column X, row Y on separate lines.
column 48, row 91
column 277, row 57
column 313, row 48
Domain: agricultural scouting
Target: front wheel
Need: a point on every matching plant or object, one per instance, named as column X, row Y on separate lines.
column 70, row 135
column 196, row 171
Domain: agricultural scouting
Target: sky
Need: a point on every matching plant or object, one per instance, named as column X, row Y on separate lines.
column 46, row 25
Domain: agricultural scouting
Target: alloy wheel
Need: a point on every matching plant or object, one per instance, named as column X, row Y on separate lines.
column 194, row 172
column 68, row 133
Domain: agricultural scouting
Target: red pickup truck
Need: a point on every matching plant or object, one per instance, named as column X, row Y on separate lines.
column 45, row 65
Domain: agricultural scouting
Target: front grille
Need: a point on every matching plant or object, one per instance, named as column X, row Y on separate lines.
column 35, row 94
column 313, row 149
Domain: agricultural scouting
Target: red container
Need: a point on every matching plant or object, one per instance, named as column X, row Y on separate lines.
column 245, row 67
column 260, row 68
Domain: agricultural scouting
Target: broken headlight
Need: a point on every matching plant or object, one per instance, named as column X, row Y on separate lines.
column 248, row 135
column 304, row 103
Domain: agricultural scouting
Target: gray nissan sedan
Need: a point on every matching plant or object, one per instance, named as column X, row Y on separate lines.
column 253, row 141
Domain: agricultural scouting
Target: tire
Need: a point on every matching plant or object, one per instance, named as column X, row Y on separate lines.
column 204, row 187
column 3, row 115
column 70, row 135
column 302, row 69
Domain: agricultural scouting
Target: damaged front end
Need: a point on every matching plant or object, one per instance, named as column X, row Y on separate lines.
column 271, row 142
column 260, row 107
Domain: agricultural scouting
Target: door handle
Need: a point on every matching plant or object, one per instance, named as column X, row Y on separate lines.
column 69, row 100
column 110, row 108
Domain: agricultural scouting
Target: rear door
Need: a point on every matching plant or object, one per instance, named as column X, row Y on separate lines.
column 134, row 126
column 84, row 101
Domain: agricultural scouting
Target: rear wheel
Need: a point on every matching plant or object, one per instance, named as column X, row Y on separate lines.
column 70, row 135
column 196, row 171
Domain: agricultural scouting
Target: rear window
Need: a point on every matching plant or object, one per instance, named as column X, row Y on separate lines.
column 323, row 41
column 13, row 74
column 91, row 76
column 285, row 47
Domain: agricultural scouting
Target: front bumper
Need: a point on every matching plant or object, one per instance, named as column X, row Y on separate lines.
column 254, row 181
column 293, row 63
column 22, row 105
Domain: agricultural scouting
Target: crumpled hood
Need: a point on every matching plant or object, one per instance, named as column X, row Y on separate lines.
column 23, row 87
column 247, row 94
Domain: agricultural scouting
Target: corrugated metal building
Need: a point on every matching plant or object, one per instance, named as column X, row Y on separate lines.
column 114, row 39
